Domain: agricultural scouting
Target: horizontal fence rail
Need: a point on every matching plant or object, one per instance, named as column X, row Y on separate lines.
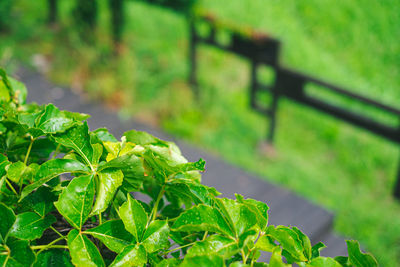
column 260, row 49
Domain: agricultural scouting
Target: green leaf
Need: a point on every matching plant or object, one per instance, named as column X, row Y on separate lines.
column 316, row 249
column 223, row 246
column 97, row 152
column 133, row 255
column 83, row 251
column 132, row 168
column 289, row 241
column 198, row 193
column 18, row 172
column 51, row 169
column 78, row 139
column 6, row 222
column 259, row 208
column 265, row 243
column 19, row 254
column 240, row 217
column 109, row 181
column 323, row 262
column 19, row 91
column 53, row 257
column 134, row 217
column 169, row 263
column 75, row 202
column 203, row 261
column 40, row 201
column 30, row 226
column 357, row 258
column 3, row 164
column 305, row 242
column 52, row 120
column 156, row 236
column 104, row 135
column 344, row 261
column 202, row 218
column 112, row 234
column 142, row 138
column 276, row 259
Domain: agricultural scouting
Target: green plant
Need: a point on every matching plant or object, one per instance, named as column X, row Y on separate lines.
column 91, row 217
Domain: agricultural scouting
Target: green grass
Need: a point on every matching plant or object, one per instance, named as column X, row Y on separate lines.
column 330, row 162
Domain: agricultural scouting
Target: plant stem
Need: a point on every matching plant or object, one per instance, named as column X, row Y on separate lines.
column 244, row 258
column 205, row 236
column 100, row 219
column 168, row 251
column 56, row 152
column 49, row 245
column 57, row 232
column 11, row 187
column 29, row 150
column 154, row 211
column 43, row 247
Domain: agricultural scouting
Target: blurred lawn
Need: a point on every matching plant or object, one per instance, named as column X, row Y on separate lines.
column 336, row 165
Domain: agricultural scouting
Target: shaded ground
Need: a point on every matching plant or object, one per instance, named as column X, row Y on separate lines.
column 286, row 208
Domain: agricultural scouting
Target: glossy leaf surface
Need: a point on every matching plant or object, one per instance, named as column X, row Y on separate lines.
column 75, row 202
column 83, row 251
column 112, row 234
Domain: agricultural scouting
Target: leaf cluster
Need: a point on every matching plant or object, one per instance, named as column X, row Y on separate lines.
column 71, row 196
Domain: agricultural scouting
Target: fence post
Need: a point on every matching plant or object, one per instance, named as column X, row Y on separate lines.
column 193, row 58
column 396, row 191
column 52, row 12
column 272, row 116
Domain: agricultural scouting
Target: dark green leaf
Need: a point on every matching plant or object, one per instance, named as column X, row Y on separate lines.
column 40, row 201
column 133, row 255
column 51, row 169
column 156, row 236
column 31, row 226
column 223, row 246
column 109, row 180
column 97, row 153
column 169, row 263
column 78, row 139
column 112, row 234
column 52, row 120
column 289, row 240
column 358, row 258
column 3, row 164
column 132, row 168
column 18, row 172
column 75, row 202
column 203, row 261
column 259, row 208
column 19, row 254
column 324, row 262
column 316, row 249
column 6, row 221
column 104, row 135
column 141, row 138
column 305, row 242
column 240, row 217
column 276, row 259
column 83, row 251
column 198, row 193
column 134, row 217
column 202, row 218
column 53, row 257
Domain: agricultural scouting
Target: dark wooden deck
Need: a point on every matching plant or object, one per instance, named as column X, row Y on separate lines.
column 286, row 208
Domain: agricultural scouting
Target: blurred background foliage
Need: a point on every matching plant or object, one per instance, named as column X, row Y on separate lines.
column 142, row 72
